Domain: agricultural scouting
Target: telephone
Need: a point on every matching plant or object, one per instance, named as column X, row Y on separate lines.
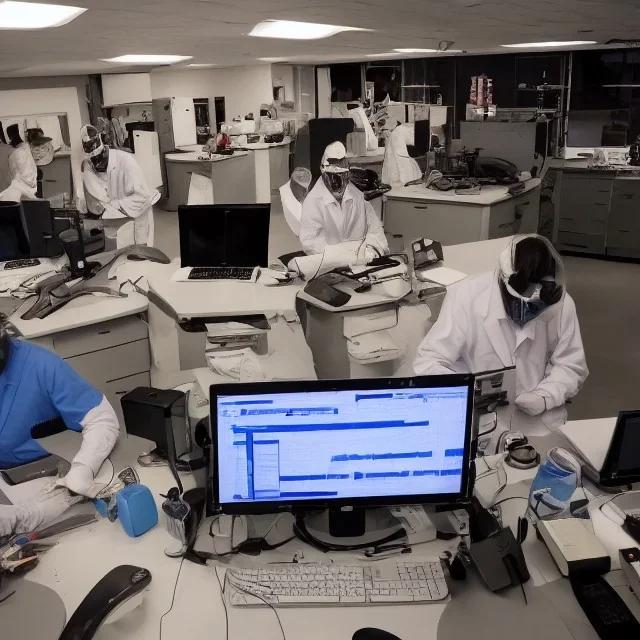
column 426, row 252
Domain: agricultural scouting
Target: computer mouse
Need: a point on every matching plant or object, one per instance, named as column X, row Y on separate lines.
column 370, row 633
column 140, row 252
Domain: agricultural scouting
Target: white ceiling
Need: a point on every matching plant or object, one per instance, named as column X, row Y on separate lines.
column 214, row 32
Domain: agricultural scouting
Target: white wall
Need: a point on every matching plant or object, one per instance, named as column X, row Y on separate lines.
column 244, row 88
column 122, row 88
column 283, row 77
column 30, row 102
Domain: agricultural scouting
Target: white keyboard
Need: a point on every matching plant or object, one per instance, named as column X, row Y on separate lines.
column 293, row 584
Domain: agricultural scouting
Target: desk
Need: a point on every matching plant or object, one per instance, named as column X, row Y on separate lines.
column 233, row 177
column 198, row 611
column 271, row 161
column 451, row 218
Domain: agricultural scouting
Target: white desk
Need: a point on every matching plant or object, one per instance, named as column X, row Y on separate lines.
column 198, row 611
column 452, row 218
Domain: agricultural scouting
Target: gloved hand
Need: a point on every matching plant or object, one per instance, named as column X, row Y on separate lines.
column 531, row 403
column 80, row 480
column 366, row 254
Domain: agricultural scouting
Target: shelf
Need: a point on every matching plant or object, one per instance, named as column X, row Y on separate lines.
column 621, row 86
column 544, row 87
column 420, row 86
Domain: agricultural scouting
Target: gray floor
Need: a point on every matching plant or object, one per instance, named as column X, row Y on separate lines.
column 606, row 295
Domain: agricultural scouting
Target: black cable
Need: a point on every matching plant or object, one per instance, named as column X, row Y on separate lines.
column 511, row 498
column 224, row 604
column 173, row 597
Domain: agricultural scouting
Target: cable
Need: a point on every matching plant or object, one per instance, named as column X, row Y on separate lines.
column 224, row 604
column 511, row 498
column 173, row 597
column 255, row 595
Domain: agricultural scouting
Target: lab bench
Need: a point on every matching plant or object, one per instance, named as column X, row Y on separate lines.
column 113, row 356
column 597, row 212
column 415, row 212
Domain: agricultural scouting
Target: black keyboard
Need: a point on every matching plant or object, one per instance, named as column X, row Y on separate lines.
column 607, row 612
column 221, row 273
column 21, row 264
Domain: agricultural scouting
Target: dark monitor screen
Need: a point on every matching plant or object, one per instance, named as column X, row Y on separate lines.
column 376, row 442
column 38, row 218
column 622, row 463
column 224, row 235
column 14, row 242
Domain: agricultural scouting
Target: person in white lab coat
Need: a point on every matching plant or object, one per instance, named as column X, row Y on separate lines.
column 22, row 168
column 520, row 314
column 335, row 210
column 398, row 166
column 115, row 189
column 5, row 152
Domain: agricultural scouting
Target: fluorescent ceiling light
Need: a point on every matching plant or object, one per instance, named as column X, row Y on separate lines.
column 381, row 55
column 28, row 15
column 416, row 50
column 560, row 43
column 148, row 59
column 273, row 59
column 298, row 30
column 202, row 65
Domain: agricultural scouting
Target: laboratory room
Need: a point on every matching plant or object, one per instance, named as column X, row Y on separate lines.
column 222, row 226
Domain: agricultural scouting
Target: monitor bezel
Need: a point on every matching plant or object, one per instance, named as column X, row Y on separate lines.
column 613, row 453
column 367, row 384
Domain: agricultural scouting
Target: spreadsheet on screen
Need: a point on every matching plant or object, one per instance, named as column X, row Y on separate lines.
column 340, row 444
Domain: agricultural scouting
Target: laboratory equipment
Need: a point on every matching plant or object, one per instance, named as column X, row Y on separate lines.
column 552, row 488
column 295, row 584
column 341, row 444
column 224, row 235
column 223, row 273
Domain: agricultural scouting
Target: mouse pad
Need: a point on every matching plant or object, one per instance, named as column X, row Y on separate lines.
column 476, row 612
column 17, row 621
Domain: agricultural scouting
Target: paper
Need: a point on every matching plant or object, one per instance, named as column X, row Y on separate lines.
column 590, row 438
column 444, row 275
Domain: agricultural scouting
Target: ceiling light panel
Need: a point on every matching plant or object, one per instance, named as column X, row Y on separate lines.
column 148, row 59
column 559, row 43
column 290, row 30
column 202, row 65
column 29, row 15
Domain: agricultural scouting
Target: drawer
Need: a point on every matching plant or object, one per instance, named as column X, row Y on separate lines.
column 503, row 221
column 624, row 252
column 628, row 238
column 582, row 192
column 101, row 367
column 115, row 389
column 581, row 242
column 99, row 336
column 588, row 225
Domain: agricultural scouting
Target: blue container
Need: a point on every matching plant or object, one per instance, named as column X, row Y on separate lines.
column 137, row 509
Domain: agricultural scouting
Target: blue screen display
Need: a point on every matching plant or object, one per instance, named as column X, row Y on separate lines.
column 326, row 445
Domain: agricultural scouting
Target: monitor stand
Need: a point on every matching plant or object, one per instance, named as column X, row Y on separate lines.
column 361, row 526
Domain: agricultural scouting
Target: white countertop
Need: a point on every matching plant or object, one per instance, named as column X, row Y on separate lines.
column 488, row 195
column 223, row 298
column 261, row 146
column 201, row 156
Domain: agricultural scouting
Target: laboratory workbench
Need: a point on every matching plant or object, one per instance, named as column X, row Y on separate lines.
column 186, row 600
column 451, row 218
column 596, row 209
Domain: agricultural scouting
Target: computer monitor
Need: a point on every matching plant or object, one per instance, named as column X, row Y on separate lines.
column 43, row 240
column 14, row 243
column 622, row 462
column 327, row 443
column 224, row 235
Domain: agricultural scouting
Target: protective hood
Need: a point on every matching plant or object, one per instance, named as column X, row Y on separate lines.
column 399, row 167
column 531, row 277
column 335, row 169
column 94, row 147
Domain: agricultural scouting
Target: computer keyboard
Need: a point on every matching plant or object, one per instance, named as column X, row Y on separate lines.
column 292, row 584
column 21, row 264
column 222, row 273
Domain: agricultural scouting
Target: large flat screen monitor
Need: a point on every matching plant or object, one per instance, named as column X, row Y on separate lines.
column 327, row 443
column 224, row 235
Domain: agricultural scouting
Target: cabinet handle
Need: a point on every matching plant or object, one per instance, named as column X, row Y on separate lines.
column 506, row 224
column 573, row 244
column 104, row 333
column 50, row 181
column 567, row 218
column 603, row 190
column 627, row 196
column 120, row 393
column 422, row 206
column 623, row 231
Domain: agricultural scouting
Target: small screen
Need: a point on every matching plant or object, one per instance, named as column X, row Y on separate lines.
column 224, row 235
column 629, row 451
column 335, row 445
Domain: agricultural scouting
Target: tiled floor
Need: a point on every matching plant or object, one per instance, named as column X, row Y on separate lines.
column 606, row 295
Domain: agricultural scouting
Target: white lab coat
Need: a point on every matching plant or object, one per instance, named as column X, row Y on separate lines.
column 325, row 221
column 473, row 333
column 291, row 207
column 398, row 167
column 123, row 193
column 24, row 174
column 5, row 174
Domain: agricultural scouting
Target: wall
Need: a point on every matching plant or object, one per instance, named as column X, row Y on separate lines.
column 283, row 77
column 26, row 101
column 244, row 88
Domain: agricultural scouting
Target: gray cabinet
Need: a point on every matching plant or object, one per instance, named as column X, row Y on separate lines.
column 113, row 356
column 56, row 177
column 623, row 239
column 584, row 212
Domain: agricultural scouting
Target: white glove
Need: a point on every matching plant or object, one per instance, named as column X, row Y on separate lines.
column 79, row 480
column 531, row 403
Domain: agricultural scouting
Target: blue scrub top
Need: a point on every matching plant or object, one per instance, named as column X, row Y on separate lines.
column 37, row 386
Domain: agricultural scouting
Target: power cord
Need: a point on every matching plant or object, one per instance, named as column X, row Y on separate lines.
column 173, row 597
column 224, row 604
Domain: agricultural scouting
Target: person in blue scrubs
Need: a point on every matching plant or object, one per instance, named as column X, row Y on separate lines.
column 36, row 388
